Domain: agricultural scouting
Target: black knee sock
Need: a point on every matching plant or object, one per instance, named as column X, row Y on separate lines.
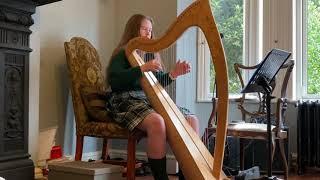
column 180, row 175
column 159, row 168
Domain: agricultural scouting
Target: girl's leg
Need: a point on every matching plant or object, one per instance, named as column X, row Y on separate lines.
column 155, row 128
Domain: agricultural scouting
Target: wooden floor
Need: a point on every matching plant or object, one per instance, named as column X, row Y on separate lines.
column 315, row 175
column 151, row 178
column 295, row 177
column 310, row 174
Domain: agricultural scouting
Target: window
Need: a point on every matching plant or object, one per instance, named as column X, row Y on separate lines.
column 306, row 44
column 311, row 67
column 240, row 40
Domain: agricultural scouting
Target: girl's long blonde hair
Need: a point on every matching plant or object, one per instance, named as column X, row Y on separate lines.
column 131, row 31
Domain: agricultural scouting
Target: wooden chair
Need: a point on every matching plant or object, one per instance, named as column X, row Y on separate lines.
column 254, row 126
column 85, row 73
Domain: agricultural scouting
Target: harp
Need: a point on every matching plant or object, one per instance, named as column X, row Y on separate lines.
column 195, row 160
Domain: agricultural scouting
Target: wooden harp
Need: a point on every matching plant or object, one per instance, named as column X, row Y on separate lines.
column 195, row 160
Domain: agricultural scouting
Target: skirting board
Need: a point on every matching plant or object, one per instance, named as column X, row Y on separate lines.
column 172, row 164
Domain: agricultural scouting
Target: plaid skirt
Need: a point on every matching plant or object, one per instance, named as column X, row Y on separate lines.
column 131, row 107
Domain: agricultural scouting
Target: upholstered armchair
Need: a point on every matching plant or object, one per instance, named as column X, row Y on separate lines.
column 88, row 89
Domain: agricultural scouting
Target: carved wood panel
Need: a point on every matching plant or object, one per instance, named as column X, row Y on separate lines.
column 14, row 100
column 14, row 121
column 15, row 20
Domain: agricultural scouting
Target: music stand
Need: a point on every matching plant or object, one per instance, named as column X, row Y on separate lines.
column 261, row 82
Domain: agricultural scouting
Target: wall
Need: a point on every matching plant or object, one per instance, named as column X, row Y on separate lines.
column 277, row 29
column 278, row 33
column 93, row 20
column 34, row 83
column 187, row 50
column 162, row 12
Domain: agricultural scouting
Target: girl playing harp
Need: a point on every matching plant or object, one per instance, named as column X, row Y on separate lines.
column 129, row 104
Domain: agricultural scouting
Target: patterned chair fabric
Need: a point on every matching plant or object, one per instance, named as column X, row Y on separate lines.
column 85, row 72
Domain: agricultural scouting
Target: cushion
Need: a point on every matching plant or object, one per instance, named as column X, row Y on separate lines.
column 95, row 103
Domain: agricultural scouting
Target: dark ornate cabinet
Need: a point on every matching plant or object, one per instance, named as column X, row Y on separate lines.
column 15, row 20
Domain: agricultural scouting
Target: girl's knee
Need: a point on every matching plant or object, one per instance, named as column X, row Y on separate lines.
column 192, row 119
column 156, row 123
column 194, row 122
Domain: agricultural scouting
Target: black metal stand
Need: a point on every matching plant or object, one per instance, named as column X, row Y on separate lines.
column 268, row 91
column 261, row 82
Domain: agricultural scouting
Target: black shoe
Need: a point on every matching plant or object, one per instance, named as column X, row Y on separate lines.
column 180, row 175
column 159, row 168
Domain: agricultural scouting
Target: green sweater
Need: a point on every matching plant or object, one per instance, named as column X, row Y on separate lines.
column 123, row 77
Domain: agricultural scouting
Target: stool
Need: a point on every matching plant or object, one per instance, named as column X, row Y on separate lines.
column 81, row 170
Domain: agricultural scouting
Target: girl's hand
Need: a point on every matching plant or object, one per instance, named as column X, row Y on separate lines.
column 181, row 68
column 152, row 65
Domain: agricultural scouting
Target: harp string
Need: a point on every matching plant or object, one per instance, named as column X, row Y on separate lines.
column 168, row 59
column 182, row 49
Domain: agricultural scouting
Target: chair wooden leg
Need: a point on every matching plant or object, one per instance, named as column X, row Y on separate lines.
column 205, row 138
column 241, row 154
column 284, row 159
column 79, row 147
column 131, row 158
column 105, row 152
column 273, row 148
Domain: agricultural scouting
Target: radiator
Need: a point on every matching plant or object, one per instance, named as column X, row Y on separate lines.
column 308, row 128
